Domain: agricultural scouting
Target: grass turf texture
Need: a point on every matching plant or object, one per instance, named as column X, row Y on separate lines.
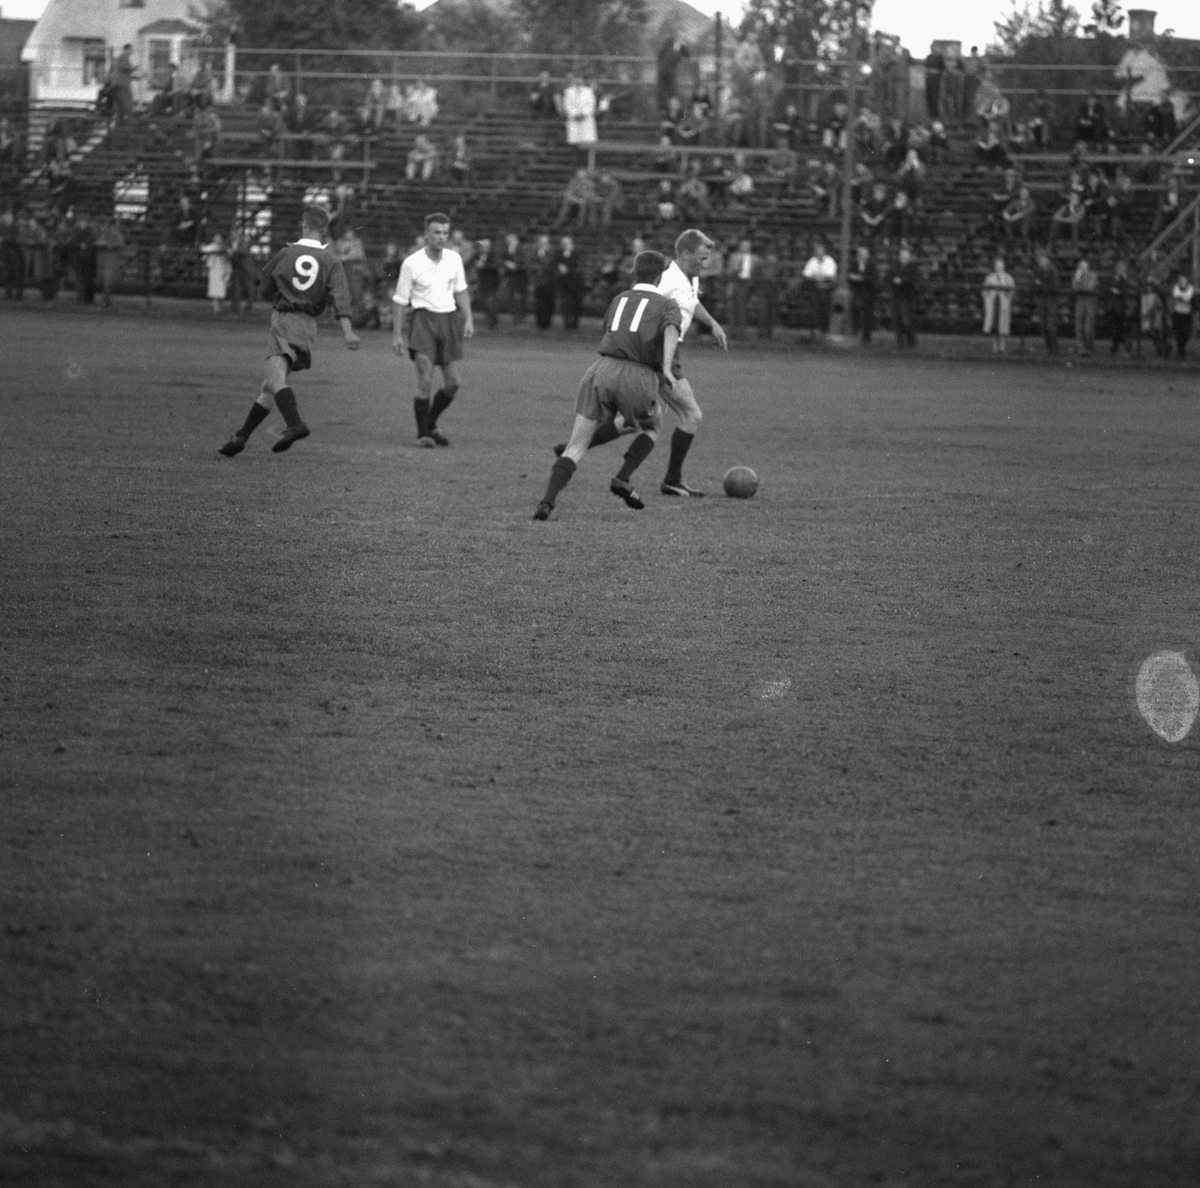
column 358, row 830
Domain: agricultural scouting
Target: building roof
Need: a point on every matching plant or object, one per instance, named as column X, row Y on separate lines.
column 167, row 28
column 13, row 35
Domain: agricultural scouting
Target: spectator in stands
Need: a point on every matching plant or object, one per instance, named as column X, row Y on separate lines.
column 579, row 111
column 1169, row 205
column 270, row 130
column 1084, row 286
column 332, row 135
column 973, row 68
column 185, row 229
column 833, row 136
column 1068, row 218
column 1162, row 126
column 12, row 258
column 741, row 184
column 348, row 247
column 486, row 275
column 1091, row 127
column 820, row 273
column 202, row 87
column 421, row 105
column 569, row 282
column 1095, row 192
column 121, row 77
column 906, row 286
column 895, row 146
column 609, row 197
column 1117, row 305
column 460, row 161
column 279, row 90
column 458, row 242
column 35, row 245
column 110, row 242
column 514, row 272
column 990, row 151
column 1038, row 124
column 863, row 279
column 578, row 198
column 671, row 120
column 953, row 88
column 1017, row 216
column 998, row 289
column 83, row 260
column 301, row 123
column 1118, row 206
column 939, row 142
column 935, row 70
column 790, row 126
column 874, row 211
column 243, row 279
column 217, row 263
column 9, row 144
column 1182, row 305
column 543, row 276
column 376, row 104
column 910, row 176
column 742, row 270
column 394, row 107
column 670, row 54
column 422, row 159
column 1010, row 187
column 543, row 99
column 666, row 209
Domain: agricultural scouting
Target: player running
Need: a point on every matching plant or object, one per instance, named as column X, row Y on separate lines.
column 641, row 332
column 681, row 284
column 432, row 318
column 299, row 281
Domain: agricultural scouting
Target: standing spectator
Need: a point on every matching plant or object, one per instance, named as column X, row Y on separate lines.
column 1117, row 306
column 301, row 123
column 693, row 195
column 1068, row 218
column 543, row 100
column 422, row 159
column 487, row 281
column 578, row 198
column 515, row 273
column 216, row 260
column 821, row 273
column 422, row 104
column 185, row 228
column 1046, row 286
column 270, row 130
column 863, row 280
column 1084, row 286
column 83, row 260
column 350, row 250
column 12, row 257
column 394, row 104
column 279, row 90
column 1183, row 308
column 110, row 241
column 906, row 283
column 1091, row 128
column 670, row 54
column 243, row 276
column 1162, row 125
column 665, row 208
column 460, row 161
column 998, row 290
column 1017, row 217
column 609, row 197
column 935, row 70
column 770, row 276
column 579, row 110
column 973, row 68
column 333, row 133
column 121, row 77
column 953, row 88
column 874, row 211
column 377, row 103
column 1169, row 205
column 1038, row 125
column 570, row 283
column 541, row 267
column 742, row 270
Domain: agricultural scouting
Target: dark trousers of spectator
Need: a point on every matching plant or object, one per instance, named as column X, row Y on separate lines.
column 570, row 305
column 862, row 313
column 822, row 304
column 739, row 303
column 1047, row 308
column 108, row 268
column 83, row 264
column 905, row 316
column 1181, row 323
column 933, row 96
column 1085, row 324
column 489, row 303
column 12, row 268
column 1120, row 329
column 241, row 285
column 543, row 306
column 517, row 298
column 768, row 299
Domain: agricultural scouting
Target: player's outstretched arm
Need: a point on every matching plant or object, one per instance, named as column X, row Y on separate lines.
column 706, row 319
column 351, row 338
column 463, row 299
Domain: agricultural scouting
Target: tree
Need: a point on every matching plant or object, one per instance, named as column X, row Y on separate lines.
column 1055, row 20
column 810, row 28
column 480, row 26
column 311, row 24
column 583, row 26
column 1107, row 18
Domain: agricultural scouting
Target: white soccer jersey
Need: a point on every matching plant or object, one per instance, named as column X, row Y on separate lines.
column 684, row 291
column 431, row 284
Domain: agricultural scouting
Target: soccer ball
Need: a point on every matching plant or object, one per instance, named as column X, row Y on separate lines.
column 740, row 482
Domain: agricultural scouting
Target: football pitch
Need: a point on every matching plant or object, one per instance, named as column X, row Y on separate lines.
column 360, row 831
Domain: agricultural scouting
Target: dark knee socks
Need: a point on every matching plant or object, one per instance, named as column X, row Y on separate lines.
column 681, row 442
column 560, row 476
column 637, row 453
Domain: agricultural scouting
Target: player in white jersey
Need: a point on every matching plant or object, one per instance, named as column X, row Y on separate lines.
column 680, row 283
column 431, row 319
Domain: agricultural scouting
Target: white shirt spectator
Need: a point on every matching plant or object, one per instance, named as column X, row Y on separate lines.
column 431, row 284
column 579, row 107
column 822, row 269
column 422, row 104
column 683, row 290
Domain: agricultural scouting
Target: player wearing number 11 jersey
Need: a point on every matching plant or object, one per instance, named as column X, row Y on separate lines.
column 641, row 332
column 299, row 282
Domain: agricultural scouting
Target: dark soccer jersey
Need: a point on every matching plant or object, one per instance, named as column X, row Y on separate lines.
column 634, row 325
column 303, row 277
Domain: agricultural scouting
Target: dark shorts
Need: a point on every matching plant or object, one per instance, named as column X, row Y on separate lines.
column 612, row 386
column 438, row 336
column 292, row 335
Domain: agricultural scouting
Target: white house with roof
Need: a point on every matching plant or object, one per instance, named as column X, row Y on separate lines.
column 72, row 45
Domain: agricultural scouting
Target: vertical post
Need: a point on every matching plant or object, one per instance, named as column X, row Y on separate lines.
column 1196, row 244
column 718, row 64
column 840, row 321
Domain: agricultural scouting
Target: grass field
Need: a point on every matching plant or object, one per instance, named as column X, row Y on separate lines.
column 358, row 830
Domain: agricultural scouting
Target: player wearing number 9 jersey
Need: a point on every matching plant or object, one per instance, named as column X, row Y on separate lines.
column 641, row 332
column 299, row 281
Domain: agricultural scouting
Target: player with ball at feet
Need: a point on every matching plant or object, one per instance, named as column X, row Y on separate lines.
column 641, row 333
column 299, row 281
column 430, row 321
